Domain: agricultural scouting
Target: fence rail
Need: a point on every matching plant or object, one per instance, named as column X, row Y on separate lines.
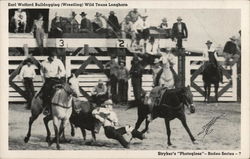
column 87, row 79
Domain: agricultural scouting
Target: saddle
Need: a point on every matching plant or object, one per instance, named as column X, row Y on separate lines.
column 155, row 96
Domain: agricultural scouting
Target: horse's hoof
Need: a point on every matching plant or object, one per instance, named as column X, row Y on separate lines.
column 48, row 139
column 50, row 143
column 170, row 144
column 195, row 142
column 72, row 134
column 26, row 139
column 58, row 147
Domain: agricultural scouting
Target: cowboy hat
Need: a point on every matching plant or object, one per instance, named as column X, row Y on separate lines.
column 111, row 12
column 73, row 13
column 83, row 14
column 164, row 20
column 179, row 18
column 97, row 14
column 233, row 38
column 209, row 42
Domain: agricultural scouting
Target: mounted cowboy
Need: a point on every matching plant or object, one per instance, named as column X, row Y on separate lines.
column 53, row 72
column 210, row 56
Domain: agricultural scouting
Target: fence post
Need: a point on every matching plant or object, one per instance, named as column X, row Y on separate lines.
column 26, row 50
column 181, row 67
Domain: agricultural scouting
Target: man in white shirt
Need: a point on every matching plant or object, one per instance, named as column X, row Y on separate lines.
column 109, row 120
column 27, row 74
column 53, row 72
column 99, row 93
column 142, row 30
column 210, row 55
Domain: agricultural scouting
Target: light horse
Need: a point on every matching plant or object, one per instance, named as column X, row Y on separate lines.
column 58, row 112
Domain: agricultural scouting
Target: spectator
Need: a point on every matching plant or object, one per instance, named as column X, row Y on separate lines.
column 20, row 18
column 128, row 30
column 164, row 24
column 97, row 23
column 142, row 30
column 109, row 120
column 230, row 50
column 113, row 76
column 179, row 31
column 56, row 30
column 28, row 73
column 99, row 93
column 113, row 22
column 155, row 70
column 86, row 25
column 133, row 15
column 74, row 23
column 38, row 29
column 136, row 77
column 152, row 51
column 123, row 78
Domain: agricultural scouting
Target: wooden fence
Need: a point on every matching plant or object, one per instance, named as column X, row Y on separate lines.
column 90, row 70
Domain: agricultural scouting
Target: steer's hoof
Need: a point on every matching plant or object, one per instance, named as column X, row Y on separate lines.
column 72, row 134
column 58, row 147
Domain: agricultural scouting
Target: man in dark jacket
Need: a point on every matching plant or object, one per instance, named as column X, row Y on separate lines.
column 179, row 32
column 86, row 25
column 136, row 77
column 230, row 50
column 113, row 21
column 56, row 30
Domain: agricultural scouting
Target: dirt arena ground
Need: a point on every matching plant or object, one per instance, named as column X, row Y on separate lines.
column 225, row 133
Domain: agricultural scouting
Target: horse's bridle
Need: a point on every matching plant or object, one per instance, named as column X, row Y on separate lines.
column 187, row 102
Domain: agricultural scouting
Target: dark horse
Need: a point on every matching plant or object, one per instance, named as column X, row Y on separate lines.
column 211, row 75
column 170, row 107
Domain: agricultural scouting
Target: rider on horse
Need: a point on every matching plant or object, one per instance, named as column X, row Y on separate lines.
column 53, row 72
column 210, row 57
